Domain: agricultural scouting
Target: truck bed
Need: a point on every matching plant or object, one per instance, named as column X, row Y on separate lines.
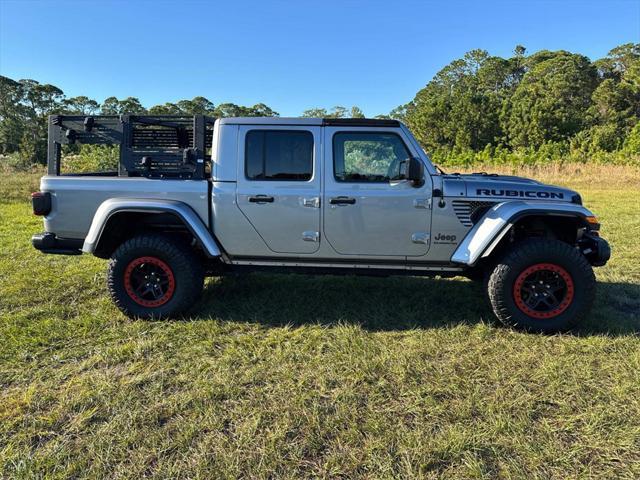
column 75, row 199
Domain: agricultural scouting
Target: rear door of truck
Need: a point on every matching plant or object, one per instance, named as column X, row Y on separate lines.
column 278, row 187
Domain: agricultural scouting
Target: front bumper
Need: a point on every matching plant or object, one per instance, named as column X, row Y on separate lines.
column 596, row 249
column 49, row 243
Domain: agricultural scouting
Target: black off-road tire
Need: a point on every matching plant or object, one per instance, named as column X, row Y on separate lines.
column 178, row 272
column 514, row 276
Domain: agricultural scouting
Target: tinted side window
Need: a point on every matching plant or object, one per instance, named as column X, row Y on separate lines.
column 368, row 157
column 279, row 155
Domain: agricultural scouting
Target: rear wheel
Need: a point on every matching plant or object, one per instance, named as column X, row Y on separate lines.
column 542, row 285
column 154, row 276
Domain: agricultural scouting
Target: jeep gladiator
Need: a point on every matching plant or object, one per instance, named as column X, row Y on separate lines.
column 194, row 196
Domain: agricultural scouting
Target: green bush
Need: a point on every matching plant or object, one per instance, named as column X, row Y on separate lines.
column 549, row 152
column 632, row 142
column 597, row 139
column 15, row 162
column 90, row 158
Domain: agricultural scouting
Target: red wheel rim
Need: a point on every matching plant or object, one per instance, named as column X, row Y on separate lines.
column 543, row 290
column 149, row 281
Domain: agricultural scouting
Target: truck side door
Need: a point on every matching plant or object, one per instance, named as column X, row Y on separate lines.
column 369, row 208
column 278, row 188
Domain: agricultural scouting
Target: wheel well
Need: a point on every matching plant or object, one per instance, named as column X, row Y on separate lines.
column 554, row 227
column 546, row 226
column 122, row 226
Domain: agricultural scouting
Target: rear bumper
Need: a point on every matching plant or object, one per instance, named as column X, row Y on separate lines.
column 49, row 243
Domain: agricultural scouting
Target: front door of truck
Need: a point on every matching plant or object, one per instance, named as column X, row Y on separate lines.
column 369, row 208
column 278, row 187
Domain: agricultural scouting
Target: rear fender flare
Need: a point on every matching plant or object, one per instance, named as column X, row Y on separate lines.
column 189, row 217
column 485, row 235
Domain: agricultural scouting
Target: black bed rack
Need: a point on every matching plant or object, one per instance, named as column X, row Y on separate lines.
column 155, row 146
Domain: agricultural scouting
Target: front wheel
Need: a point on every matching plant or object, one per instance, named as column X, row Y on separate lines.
column 542, row 285
column 154, row 276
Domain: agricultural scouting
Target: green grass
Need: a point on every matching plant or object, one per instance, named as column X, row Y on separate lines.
column 294, row 377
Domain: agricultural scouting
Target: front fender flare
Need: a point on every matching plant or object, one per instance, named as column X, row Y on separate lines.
column 112, row 206
column 491, row 228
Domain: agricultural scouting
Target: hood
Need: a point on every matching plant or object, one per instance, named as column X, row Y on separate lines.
column 502, row 187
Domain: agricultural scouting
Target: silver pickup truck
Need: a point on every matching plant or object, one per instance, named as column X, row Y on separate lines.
column 197, row 196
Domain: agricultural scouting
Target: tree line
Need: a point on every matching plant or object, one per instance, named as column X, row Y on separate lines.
column 550, row 103
column 26, row 104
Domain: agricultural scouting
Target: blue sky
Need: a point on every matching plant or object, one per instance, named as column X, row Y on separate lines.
column 291, row 55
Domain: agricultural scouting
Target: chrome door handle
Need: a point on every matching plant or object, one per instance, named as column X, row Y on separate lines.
column 261, row 199
column 311, row 236
column 313, row 202
column 421, row 237
column 342, row 201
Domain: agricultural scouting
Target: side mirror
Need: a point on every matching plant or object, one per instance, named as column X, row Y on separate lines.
column 415, row 171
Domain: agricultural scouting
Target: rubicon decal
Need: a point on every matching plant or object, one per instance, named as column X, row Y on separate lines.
column 518, row 193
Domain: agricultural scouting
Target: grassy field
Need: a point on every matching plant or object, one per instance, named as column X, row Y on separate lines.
column 296, row 377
